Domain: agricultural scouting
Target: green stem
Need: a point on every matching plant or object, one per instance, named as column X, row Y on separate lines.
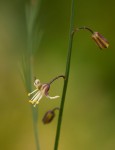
column 66, row 76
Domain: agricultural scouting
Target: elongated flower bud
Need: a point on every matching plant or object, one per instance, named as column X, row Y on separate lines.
column 96, row 36
column 100, row 40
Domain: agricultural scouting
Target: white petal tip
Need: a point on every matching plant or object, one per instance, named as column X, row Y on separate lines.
column 53, row 97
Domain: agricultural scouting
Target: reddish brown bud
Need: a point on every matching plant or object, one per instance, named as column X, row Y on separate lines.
column 49, row 116
column 100, row 40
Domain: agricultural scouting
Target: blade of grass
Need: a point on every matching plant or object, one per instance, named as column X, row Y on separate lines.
column 67, row 77
column 32, row 13
column 27, row 68
column 34, row 110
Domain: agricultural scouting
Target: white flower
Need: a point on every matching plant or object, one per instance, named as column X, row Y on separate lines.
column 40, row 91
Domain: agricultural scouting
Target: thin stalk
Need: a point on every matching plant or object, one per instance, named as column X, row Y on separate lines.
column 61, row 76
column 66, row 76
column 85, row 28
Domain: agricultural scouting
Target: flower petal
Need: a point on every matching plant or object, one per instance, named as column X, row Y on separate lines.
column 35, row 95
column 54, row 97
column 37, row 101
column 32, row 92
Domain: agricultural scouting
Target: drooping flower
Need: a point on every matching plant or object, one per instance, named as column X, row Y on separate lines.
column 40, row 91
column 49, row 116
column 100, row 40
column 96, row 36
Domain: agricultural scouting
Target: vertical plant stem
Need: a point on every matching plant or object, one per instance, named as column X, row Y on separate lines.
column 66, row 76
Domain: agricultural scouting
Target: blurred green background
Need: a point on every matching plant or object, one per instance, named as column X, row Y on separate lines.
column 89, row 114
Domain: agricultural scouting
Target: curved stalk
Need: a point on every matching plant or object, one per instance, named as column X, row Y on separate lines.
column 85, row 28
column 61, row 76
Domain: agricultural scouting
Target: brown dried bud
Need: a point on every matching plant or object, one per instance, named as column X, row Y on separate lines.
column 100, row 40
column 49, row 116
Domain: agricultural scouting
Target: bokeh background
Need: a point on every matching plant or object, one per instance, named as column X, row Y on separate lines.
column 89, row 114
